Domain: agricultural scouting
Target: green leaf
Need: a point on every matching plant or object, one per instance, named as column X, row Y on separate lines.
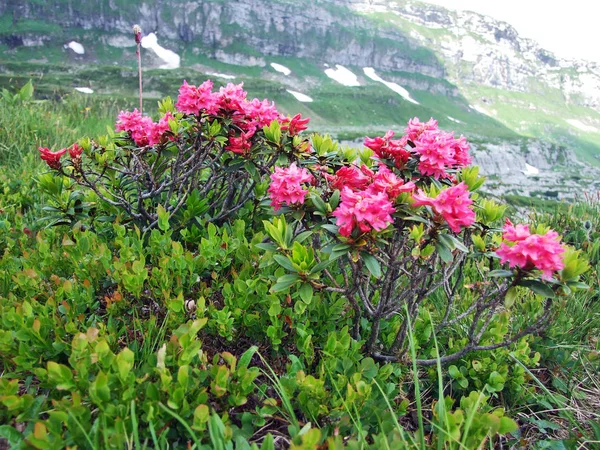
column 246, row 357
column 331, row 228
column 445, row 239
column 284, row 282
column 444, row 252
column 319, row 203
column 26, row 92
column 60, row 375
column 457, row 244
column 372, row 264
column 266, row 246
column 538, row 287
column 577, row 285
column 334, row 201
column 501, row 273
column 303, row 236
column 99, row 390
column 285, row 262
column 163, row 218
column 124, row 363
column 10, row 434
column 454, row 372
column 510, row 297
column 322, row 265
column 416, row 219
column 306, row 293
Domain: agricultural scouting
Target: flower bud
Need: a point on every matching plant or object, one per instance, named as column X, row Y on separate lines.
column 137, row 32
column 190, row 306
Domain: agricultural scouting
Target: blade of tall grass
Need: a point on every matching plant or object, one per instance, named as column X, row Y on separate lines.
column 401, row 430
column 355, row 419
column 285, row 400
column 555, row 400
column 413, row 354
column 85, row 434
column 183, row 423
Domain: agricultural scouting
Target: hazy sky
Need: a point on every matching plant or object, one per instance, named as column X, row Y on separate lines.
column 567, row 28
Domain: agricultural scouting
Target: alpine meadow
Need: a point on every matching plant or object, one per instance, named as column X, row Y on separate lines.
column 294, row 224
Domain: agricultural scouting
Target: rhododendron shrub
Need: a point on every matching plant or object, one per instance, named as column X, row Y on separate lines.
column 206, row 156
column 394, row 230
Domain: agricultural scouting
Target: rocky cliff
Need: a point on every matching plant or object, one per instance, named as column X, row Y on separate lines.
column 403, row 36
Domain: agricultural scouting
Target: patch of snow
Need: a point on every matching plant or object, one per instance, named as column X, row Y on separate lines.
column 172, row 60
column 342, row 76
column 370, row 72
column 76, row 47
column 279, row 68
column 85, row 90
column 453, row 119
column 582, row 126
column 300, row 96
column 326, row 65
column 220, row 75
column 530, row 170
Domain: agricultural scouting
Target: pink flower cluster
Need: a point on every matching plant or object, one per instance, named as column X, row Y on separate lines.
column 367, row 197
column 142, row 129
column 452, row 204
column 436, row 150
column 531, row 251
column 53, row 158
column 440, row 151
column 247, row 115
column 286, row 186
column 386, row 148
column 415, row 128
column 231, row 99
column 384, row 180
column 364, row 209
column 295, row 125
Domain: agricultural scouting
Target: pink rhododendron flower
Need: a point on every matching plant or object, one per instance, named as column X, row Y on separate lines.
column 51, row 158
column 384, row 147
column 461, row 151
column 241, row 144
column 260, row 113
column 197, row 100
column 352, row 177
column 156, row 131
column 231, row 97
column 378, row 143
column 452, row 204
column 531, row 251
column 515, row 233
column 386, row 181
column 141, row 128
column 138, row 126
column 75, row 151
column 295, row 125
column 286, row 186
column 363, row 210
column 440, row 151
column 131, row 120
column 415, row 128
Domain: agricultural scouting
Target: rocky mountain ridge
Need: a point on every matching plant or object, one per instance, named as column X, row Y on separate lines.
column 473, row 48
